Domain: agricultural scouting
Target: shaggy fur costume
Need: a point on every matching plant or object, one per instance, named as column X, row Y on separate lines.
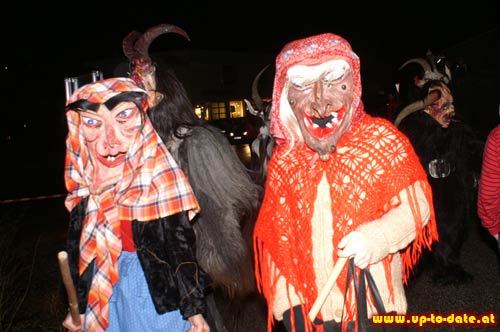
column 452, row 195
column 228, row 198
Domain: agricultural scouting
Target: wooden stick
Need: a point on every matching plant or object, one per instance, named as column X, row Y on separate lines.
column 320, row 300
column 62, row 257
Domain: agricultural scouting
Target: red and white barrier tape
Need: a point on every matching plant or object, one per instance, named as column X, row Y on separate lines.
column 27, row 199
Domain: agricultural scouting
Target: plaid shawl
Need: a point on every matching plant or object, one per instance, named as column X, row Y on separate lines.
column 152, row 186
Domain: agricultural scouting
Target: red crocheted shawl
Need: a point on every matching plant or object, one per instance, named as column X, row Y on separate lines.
column 373, row 163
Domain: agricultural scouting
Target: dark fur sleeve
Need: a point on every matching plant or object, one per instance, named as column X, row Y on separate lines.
column 421, row 130
column 458, row 143
column 229, row 202
column 166, row 250
column 82, row 283
column 190, row 278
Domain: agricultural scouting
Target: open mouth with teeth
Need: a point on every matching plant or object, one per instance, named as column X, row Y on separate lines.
column 322, row 127
column 446, row 118
column 111, row 161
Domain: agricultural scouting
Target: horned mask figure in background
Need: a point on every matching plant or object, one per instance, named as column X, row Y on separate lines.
column 263, row 144
column 449, row 150
column 136, row 48
column 228, row 198
column 438, row 102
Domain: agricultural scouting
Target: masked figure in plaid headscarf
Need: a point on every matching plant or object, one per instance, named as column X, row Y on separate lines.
column 130, row 242
column 340, row 183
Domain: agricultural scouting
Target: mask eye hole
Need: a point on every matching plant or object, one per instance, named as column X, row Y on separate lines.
column 91, row 122
column 301, row 83
column 124, row 115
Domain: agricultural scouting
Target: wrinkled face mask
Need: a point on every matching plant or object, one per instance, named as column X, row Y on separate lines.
column 443, row 109
column 320, row 97
column 108, row 135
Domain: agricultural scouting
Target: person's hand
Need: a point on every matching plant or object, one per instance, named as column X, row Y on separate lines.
column 70, row 326
column 355, row 245
column 198, row 324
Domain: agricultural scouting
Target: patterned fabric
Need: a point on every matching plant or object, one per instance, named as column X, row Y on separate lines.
column 313, row 50
column 152, row 186
column 131, row 306
column 373, row 163
column 488, row 201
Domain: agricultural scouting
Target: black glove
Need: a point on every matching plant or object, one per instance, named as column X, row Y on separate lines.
column 298, row 317
column 330, row 326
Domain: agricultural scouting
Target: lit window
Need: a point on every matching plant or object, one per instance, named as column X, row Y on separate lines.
column 218, row 110
column 236, row 109
column 201, row 112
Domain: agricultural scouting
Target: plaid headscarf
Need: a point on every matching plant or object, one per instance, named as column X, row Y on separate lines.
column 152, row 186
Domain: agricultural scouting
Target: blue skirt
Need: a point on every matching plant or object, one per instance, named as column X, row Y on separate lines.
column 131, row 308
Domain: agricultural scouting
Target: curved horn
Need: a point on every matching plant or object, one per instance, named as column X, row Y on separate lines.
column 128, row 45
column 425, row 65
column 432, row 97
column 431, row 60
column 447, row 74
column 255, row 90
column 413, row 107
column 250, row 108
column 142, row 45
column 429, row 72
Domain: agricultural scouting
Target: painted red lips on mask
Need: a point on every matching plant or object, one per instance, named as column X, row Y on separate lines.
column 326, row 126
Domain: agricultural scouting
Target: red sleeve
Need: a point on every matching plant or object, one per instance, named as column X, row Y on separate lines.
column 489, row 184
column 127, row 240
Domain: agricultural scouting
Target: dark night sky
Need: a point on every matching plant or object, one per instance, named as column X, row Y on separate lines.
column 51, row 43
column 43, row 44
column 378, row 34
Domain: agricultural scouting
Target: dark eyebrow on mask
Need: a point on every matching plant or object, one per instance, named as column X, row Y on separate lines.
column 131, row 96
column 82, row 105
